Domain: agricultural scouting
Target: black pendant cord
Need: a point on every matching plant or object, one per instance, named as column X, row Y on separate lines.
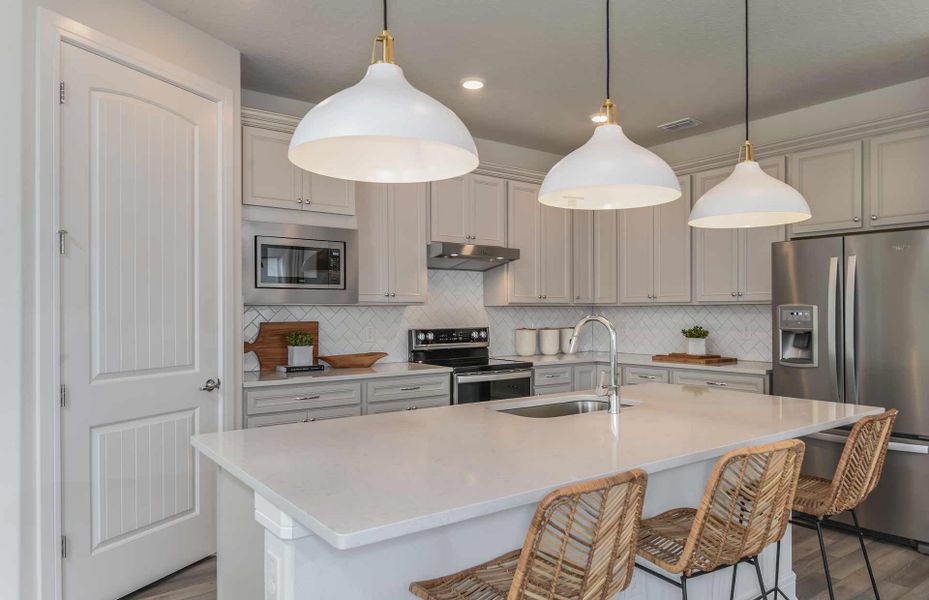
column 607, row 49
column 385, row 15
column 746, row 70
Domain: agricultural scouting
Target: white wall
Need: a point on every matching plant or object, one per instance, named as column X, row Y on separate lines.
column 132, row 22
column 489, row 150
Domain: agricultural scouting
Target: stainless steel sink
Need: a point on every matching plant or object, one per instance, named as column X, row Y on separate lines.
column 559, row 409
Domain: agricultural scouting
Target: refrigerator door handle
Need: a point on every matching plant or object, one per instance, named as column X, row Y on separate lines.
column 831, row 309
column 892, row 446
column 851, row 370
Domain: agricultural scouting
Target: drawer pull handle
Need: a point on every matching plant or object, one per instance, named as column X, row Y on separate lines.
column 647, row 376
column 305, row 398
column 410, row 389
column 309, row 419
column 552, row 376
column 411, row 407
column 717, row 383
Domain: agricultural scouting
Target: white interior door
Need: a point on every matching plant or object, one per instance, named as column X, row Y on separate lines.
column 140, row 199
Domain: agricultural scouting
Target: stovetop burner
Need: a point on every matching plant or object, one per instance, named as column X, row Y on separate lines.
column 465, row 350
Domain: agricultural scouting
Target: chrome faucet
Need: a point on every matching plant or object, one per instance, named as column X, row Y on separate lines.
column 612, row 390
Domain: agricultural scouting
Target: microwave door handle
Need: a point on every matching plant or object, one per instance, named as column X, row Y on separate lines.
column 851, row 369
column 831, row 333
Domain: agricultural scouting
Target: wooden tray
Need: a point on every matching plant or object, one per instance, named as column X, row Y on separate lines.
column 353, row 361
column 695, row 359
column 271, row 343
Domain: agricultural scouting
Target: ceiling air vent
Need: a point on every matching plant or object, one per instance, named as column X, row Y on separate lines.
column 685, row 123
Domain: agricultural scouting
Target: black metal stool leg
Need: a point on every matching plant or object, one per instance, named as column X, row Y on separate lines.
column 683, row 587
column 764, row 593
column 822, row 549
column 735, row 571
column 777, row 572
column 867, row 561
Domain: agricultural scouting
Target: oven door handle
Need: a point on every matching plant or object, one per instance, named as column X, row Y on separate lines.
column 526, row 374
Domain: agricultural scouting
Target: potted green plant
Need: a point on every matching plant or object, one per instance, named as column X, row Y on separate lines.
column 299, row 349
column 696, row 340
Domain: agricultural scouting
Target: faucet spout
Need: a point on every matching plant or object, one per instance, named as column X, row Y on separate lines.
column 612, row 389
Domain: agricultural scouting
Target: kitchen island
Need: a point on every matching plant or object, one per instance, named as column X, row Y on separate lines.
column 358, row 508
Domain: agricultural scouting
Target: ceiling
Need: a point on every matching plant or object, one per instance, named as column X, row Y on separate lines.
column 543, row 60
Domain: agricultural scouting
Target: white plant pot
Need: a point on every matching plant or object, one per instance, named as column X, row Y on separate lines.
column 299, row 356
column 696, row 346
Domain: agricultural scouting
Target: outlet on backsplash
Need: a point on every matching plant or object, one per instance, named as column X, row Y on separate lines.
column 370, row 335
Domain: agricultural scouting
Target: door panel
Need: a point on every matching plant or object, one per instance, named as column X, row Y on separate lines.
column 584, row 240
column 487, row 210
column 269, row 178
column 407, row 242
column 606, row 271
column 755, row 247
column 140, row 325
column 830, row 180
column 523, row 233
column 672, row 248
column 373, row 247
column 636, row 255
column 328, row 194
column 450, row 210
column 899, row 178
column 716, row 251
column 555, row 253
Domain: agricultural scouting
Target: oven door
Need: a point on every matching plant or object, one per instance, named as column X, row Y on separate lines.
column 483, row 387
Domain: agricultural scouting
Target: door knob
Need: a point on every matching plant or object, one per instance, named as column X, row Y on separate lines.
column 211, row 384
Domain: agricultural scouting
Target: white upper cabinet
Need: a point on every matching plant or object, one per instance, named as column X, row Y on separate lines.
column 899, row 178
column 470, row 209
column 734, row 265
column 583, row 256
column 605, row 271
column 555, row 256
column 270, row 179
column 392, row 243
column 830, row 180
column 654, row 251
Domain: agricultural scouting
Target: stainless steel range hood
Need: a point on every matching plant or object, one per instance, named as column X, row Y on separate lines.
column 449, row 256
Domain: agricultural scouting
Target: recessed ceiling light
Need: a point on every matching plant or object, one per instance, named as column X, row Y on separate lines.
column 598, row 118
column 472, row 83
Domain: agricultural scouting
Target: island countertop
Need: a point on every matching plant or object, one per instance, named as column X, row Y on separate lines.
column 357, row 481
column 747, row 367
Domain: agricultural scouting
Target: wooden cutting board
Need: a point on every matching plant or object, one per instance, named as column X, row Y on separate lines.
column 695, row 359
column 270, row 346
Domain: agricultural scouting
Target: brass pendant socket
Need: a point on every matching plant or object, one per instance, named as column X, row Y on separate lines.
column 387, row 48
column 608, row 109
column 746, row 150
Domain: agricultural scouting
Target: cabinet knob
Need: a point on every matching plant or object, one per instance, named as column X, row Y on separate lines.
column 856, row 219
column 577, row 297
column 299, row 200
column 544, row 297
column 392, row 294
column 733, row 293
column 387, row 294
column 874, row 217
column 740, row 293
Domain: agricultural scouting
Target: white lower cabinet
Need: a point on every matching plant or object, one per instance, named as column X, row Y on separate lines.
column 636, row 375
column 585, row 377
column 726, row 381
column 413, row 404
column 580, row 377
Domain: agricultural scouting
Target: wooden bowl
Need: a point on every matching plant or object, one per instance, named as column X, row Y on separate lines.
column 353, row 361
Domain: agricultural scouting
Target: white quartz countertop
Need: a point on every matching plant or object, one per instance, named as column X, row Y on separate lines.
column 398, row 369
column 360, row 480
column 747, row 367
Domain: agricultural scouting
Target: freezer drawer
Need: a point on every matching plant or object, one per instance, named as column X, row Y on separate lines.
column 897, row 505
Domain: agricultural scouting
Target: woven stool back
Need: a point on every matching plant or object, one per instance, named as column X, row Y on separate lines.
column 862, row 461
column 746, row 505
column 582, row 541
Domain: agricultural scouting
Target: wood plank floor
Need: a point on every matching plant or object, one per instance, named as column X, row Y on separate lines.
column 902, row 574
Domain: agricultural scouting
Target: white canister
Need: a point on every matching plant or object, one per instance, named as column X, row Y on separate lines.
column 549, row 340
column 526, row 340
column 566, row 333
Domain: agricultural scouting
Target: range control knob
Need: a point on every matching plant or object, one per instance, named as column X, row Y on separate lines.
column 430, row 336
column 483, row 334
column 474, row 335
column 421, row 336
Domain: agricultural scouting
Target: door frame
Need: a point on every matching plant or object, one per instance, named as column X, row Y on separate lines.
column 53, row 30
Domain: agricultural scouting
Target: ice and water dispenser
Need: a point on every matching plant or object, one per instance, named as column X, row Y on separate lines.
column 796, row 324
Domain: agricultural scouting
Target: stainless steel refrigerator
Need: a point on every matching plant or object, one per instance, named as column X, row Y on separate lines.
column 851, row 324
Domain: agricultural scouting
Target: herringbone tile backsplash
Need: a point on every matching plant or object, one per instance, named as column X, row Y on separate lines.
column 456, row 299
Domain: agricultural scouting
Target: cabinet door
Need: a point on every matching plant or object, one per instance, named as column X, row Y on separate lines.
column 328, row 195
column 523, row 233
column 603, row 375
column 406, row 224
column 373, row 251
column 830, row 180
column 584, row 240
column 268, row 177
column 899, row 178
column 606, row 272
column 449, row 210
column 636, row 255
column 716, row 251
column 555, row 254
column 585, row 377
column 487, row 210
column 672, row 248
column 755, row 248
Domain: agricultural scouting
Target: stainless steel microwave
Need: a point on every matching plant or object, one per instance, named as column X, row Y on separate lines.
column 299, row 264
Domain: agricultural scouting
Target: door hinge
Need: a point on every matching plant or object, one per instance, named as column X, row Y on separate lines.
column 63, row 395
column 61, row 92
column 62, row 240
column 64, row 546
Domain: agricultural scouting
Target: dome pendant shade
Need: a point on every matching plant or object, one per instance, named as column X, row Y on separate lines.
column 383, row 130
column 609, row 172
column 749, row 197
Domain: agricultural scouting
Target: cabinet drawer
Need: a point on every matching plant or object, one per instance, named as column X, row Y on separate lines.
column 334, row 412
column 296, row 416
column 387, row 406
column 545, row 376
column 636, row 375
column 407, row 388
column 565, row 388
column 724, row 381
column 304, row 416
column 282, row 398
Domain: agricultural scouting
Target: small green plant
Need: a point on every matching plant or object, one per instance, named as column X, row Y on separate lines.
column 695, row 332
column 299, row 338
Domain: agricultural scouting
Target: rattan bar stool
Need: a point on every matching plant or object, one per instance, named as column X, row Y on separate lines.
column 856, row 476
column 745, row 508
column 581, row 544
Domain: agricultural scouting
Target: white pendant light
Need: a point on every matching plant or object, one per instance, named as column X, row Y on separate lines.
column 610, row 171
column 749, row 197
column 383, row 130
